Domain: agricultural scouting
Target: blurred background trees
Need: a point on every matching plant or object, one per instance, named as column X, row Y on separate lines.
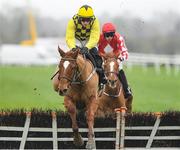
column 160, row 34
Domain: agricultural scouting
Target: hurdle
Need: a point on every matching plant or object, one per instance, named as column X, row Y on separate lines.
column 120, row 127
column 119, row 136
column 120, row 131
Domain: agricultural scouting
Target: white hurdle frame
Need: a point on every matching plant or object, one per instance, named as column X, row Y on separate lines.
column 119, row 130
column 120, row 127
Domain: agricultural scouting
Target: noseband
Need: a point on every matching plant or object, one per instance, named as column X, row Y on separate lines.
column 112, row 72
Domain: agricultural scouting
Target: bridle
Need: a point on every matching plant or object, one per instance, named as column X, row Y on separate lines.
column 66, row 77
column 113, row 95
column 76, row 73
column 111, row 72
column 120, row 88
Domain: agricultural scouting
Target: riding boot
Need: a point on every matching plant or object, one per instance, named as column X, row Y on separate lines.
column 102, row 78
column 90, row 57
column 126, row 88
column 100, row 71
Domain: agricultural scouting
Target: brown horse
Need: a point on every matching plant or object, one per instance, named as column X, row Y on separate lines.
column 113, row 96
column 78, row 81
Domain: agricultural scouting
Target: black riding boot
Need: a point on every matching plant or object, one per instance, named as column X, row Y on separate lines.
column 102, row 78
column 126, row 88
column 98, row 60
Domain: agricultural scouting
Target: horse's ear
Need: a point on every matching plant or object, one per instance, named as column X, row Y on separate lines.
column 75, row 54
column 61, row 52
column 104, row 56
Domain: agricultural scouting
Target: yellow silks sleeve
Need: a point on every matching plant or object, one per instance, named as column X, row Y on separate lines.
column 94, row 35
column 70, row 34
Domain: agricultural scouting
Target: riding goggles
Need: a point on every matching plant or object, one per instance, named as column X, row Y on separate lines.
column 109, row 34
column 86, row 19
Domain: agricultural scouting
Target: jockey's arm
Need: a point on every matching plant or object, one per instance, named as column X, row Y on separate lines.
column 117, row 53
column 94, row 35
column 124, row 54
column 123, row 51
column 70, row 34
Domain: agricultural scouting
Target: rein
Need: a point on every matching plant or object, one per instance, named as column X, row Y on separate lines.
column 76, row 74
column 88, row 78
column 55, row 74
column 112, row 95
column 69, row 59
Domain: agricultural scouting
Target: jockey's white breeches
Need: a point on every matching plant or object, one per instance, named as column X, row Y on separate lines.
column 120, row 64
column 81, row 43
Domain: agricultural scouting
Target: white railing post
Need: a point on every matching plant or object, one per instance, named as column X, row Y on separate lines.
column 117, row 129
column 157, row 68
column 154, row 130
column 120, row 127
column 176, row 70
column 54, row 130
column 25, row 131
column 122, row 133
column 168, row 69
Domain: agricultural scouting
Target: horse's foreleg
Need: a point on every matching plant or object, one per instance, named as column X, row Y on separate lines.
column 91, row 110
column 71, row 108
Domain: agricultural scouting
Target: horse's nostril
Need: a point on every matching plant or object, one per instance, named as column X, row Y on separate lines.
column 112, row 82
column 65, row 90
column 60, row 92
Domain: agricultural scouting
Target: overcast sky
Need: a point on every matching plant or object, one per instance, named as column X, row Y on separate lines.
column 60, row 8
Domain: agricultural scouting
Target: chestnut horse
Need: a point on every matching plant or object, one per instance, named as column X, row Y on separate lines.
column 113, row 96
column 78, row 81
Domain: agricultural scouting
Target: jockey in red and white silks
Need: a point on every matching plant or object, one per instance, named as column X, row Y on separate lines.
column 115, row 42
column 110, row 40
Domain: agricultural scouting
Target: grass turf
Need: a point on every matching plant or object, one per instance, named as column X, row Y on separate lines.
column 31, row 87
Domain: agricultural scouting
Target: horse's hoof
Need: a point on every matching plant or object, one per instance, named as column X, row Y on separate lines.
column 78, row 141
column 91, row 145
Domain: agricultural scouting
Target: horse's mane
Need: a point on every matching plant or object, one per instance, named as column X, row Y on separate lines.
column 110, row 55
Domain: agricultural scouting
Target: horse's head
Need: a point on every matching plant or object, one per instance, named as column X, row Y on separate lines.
column 67, row 68
column 111, row 68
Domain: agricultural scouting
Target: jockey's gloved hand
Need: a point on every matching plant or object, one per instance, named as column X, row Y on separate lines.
column 84, row 50
column 74, row 49
column 121, row 58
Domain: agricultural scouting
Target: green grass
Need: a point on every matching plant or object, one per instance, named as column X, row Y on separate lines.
column 31, row 87
column 28, row 87
column 153, row 92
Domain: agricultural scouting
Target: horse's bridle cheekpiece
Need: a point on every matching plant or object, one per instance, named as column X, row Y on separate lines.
column 76, row 73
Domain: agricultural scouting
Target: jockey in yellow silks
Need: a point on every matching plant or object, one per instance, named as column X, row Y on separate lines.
column 83, row 30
